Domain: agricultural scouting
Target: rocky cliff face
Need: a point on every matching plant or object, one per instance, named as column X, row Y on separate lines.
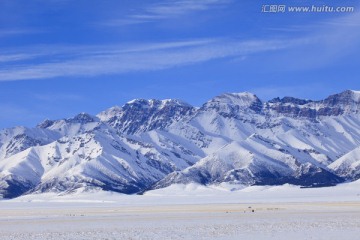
column 142, row 115
column 338, row 104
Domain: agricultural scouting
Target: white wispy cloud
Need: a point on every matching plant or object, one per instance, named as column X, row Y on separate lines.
column 172, row 8
column 167, row 9
column 16, row 57
column 333, row 40
column 93, row 61
column 15, row 31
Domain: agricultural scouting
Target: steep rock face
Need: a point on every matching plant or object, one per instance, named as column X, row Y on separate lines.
column 346, row 102
column 149, row 144
column 142, row 115
column 347, row 99
column 342, row 103
column 290, row 100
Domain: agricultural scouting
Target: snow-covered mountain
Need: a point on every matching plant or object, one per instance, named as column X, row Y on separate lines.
column 149, row 144
column 142, row 115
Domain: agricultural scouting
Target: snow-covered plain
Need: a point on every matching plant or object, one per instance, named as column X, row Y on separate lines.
column 188, row 212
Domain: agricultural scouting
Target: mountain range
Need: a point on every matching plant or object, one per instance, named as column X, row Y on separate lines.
column 150, row 144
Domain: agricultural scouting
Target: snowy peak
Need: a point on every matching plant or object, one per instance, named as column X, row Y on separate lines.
column 343, row 103
column 244, row 99
column 17, row 139
column 142, row 115
column 45, row 124
column 109, row 113
column 234, row 137
column 154, row 103
column 237, row 101
column 347, row 102
column 141, row 105
column 82, row 118
column 355, row 95
column 78, row 124
column 347, row 97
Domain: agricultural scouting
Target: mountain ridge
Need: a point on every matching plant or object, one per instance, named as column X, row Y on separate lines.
column 147, row 144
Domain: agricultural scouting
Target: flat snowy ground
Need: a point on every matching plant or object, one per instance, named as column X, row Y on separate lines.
column 188, row 212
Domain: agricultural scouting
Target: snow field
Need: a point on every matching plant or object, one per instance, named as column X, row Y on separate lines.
column 188, row 212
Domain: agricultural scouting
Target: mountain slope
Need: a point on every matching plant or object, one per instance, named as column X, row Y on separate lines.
column 148, row 144
column 348, row 166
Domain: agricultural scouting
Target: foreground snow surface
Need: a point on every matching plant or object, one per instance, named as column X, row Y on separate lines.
column 188, row 212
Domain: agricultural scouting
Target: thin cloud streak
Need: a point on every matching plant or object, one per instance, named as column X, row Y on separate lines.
column 335, row 39
column 15, row 57
column 93, row 62
column 11, row 32
column 168, row 9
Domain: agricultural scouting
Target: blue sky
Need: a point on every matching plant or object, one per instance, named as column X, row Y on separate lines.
column 62, row 57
